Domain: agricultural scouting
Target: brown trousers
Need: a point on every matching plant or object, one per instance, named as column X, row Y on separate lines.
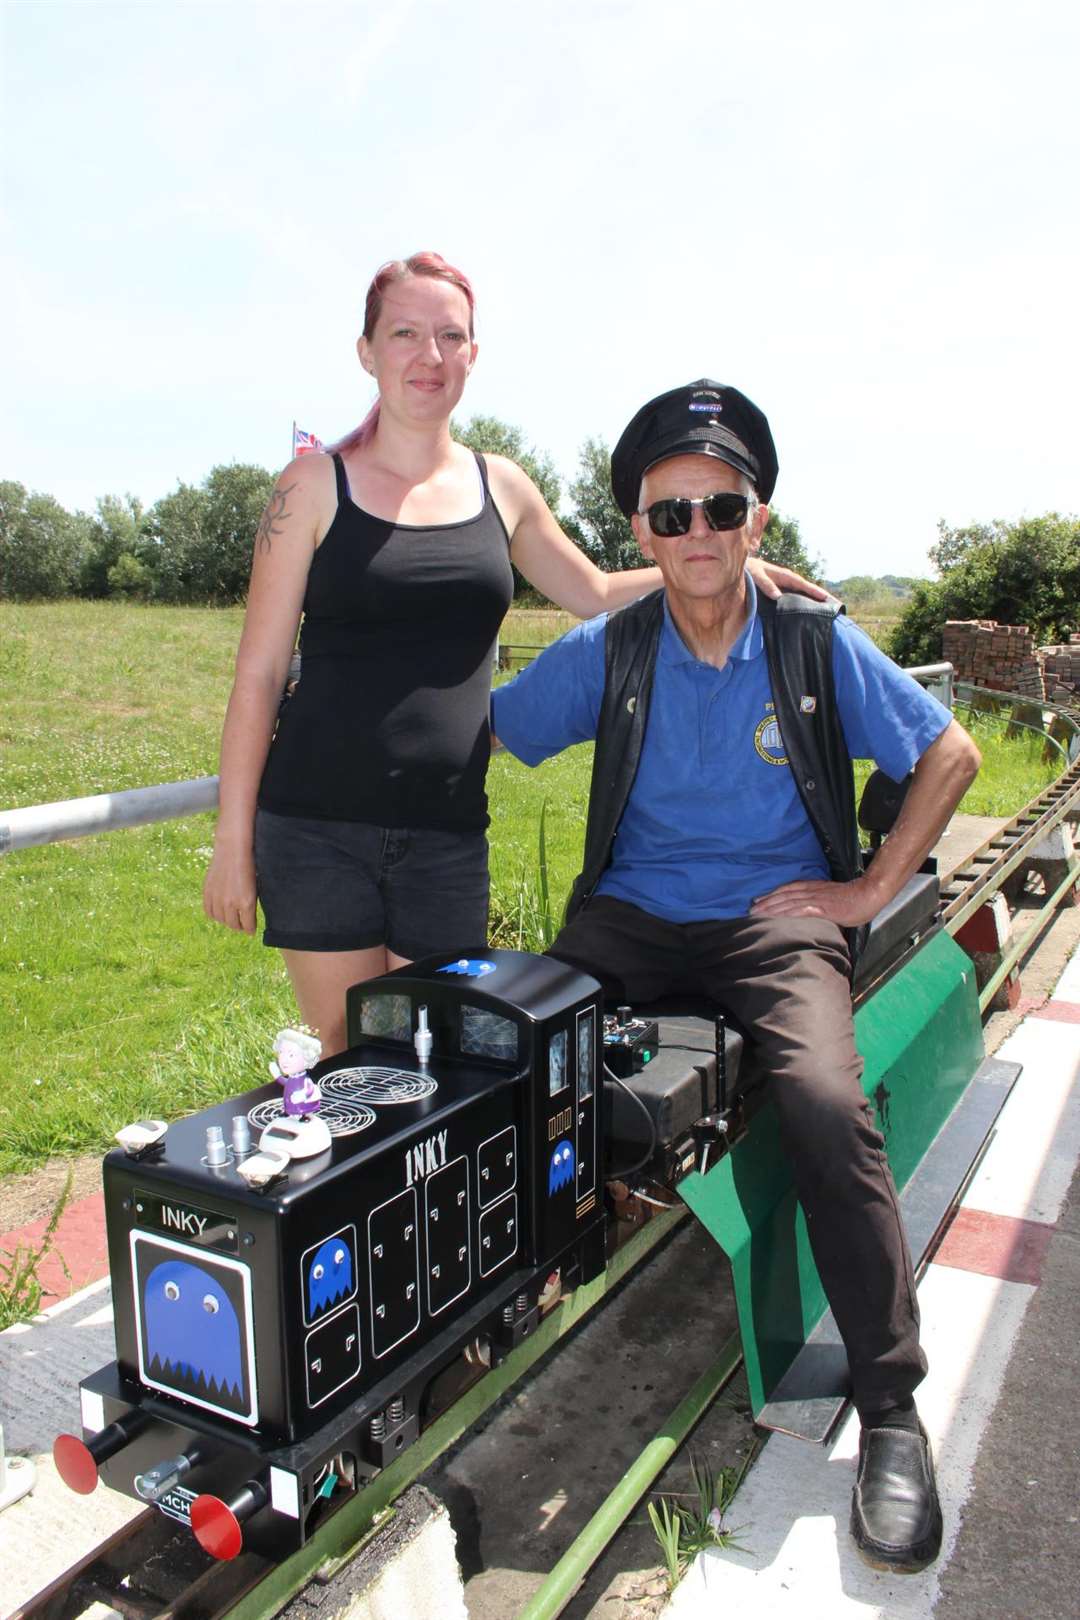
column 784, row 984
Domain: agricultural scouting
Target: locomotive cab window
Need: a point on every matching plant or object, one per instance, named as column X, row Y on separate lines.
column 558, row 1078
column 488, row 1034
column 387, row 1018
column 586, row 1053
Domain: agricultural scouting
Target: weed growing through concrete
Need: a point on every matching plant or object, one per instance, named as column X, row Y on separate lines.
column 688, row 1523
column 20, row 1286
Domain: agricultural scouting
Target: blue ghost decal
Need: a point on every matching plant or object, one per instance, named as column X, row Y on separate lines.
column 191, row 1325
column 471, row 967
column 561, row 1173
column 329, row 1275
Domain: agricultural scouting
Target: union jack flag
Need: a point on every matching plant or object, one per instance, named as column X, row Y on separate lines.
column 304, row 444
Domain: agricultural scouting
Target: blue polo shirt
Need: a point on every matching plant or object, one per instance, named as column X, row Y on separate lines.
column 714, row 819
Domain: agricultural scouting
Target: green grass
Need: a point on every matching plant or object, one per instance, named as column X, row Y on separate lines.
column 1013, row 770
column 117, row 997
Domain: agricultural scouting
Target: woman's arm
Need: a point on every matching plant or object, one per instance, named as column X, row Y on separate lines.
column 294, row 520
column 549, row 559
column 566, row 576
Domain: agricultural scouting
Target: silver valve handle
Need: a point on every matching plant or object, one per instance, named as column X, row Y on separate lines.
column 423, row 1039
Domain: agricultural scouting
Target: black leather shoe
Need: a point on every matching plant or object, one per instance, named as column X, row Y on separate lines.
column 895, row 1512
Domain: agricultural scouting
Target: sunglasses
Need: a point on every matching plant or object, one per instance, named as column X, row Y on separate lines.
column 724, row 510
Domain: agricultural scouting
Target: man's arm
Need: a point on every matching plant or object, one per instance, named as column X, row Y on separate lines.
column 554, row 702
column 942, row 776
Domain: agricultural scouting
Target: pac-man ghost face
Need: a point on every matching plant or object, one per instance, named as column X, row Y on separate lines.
column 330, row 1275
column 561, row 1172
column 192, row 1326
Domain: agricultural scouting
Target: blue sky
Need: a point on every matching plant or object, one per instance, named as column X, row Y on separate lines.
column 862, row 215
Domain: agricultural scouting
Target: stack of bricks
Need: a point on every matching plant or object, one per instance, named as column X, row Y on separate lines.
column 1062, row 666
column 1000, row 656
column 1004, row 658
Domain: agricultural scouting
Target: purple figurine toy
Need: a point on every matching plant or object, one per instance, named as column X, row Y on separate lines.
column 295, row 1050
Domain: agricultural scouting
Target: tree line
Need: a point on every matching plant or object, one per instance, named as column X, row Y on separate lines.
column 194, row 545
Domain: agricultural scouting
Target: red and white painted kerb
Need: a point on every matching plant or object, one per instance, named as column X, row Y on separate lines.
column 796, row 1500
column 986, row 937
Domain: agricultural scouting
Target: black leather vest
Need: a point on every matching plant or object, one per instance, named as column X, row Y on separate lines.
column 798, row 647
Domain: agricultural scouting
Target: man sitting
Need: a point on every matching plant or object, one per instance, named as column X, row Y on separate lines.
column 722, row 860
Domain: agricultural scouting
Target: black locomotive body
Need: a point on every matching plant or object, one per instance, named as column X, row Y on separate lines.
column 274, row 1344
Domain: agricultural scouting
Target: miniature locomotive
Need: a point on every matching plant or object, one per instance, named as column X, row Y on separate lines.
column 280, row 1315
column 300, row 1275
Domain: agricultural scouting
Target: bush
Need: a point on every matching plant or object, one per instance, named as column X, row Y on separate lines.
column 1017, row 573
column 200, row 537
column 129, row 577
column 42, row 547
column 118, row 528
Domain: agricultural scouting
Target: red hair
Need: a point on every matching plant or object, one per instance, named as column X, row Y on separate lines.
column 395, row 270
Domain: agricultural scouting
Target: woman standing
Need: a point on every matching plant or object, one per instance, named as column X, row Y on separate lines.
column 362, row 828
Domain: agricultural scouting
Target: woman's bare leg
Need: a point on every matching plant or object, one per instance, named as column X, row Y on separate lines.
column 320, row 980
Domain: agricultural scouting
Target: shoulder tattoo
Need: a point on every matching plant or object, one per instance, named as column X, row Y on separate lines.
column 273, row 517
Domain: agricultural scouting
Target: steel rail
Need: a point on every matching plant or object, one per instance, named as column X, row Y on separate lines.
column 149, row 1569
column 1023, row 942
column 986, row 869
column 563, row 1581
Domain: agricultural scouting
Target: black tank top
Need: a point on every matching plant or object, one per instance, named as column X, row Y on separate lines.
column 389, row 722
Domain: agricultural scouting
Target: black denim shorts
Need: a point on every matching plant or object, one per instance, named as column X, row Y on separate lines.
column 346, row 886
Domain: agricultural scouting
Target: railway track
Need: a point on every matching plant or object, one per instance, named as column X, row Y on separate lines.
column 1010, row 849
column 153, row 1569
column 150, row 1569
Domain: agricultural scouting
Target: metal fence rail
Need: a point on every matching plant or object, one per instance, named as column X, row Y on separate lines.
column 937, row 678
column 136, row 807
column 104, row 812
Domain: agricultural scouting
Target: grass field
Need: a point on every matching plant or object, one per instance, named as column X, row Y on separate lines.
column 117, row 997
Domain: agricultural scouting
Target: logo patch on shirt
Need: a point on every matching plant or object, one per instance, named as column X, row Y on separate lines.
column 807, row 705
column 767, row 739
